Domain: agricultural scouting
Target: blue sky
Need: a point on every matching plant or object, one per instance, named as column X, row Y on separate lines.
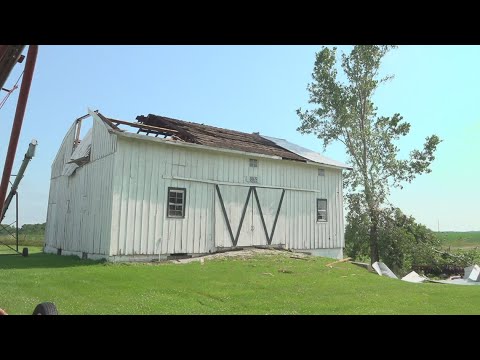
column 256, row 88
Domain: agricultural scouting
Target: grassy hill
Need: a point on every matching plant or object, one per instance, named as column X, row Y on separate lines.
column 264, row 284
column 469, row 239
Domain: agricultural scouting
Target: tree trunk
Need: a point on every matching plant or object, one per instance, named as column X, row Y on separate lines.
column 373, row 214
column 374, row 254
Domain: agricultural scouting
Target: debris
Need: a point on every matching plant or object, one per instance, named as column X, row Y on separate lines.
column 455, row 282
column 202, row 261
column 338, row 261
column 383, row 270
column 285, row 271
column 267, row 274
column 298, row 257
column 471, row 277
column 454, row 277
column 364, row 265
column 472, row 273
column 413, row 277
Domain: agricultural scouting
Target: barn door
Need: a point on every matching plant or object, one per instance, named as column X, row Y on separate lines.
column 246, row 216
column 267, row 219
column 233, row 220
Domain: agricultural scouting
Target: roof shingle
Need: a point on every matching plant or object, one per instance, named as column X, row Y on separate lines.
column 218, row 137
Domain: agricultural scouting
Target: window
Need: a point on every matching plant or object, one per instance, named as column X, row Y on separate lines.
column 253, row 163
column 176, row 202
column 321, row 172
column 321, row 209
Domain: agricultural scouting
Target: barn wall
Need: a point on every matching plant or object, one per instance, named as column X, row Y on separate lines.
column 64, row 153
column 144, row 169
column 79, row 206
column 103, row 142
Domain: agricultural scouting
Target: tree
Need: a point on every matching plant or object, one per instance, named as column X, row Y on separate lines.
column 405, row 243
column 347, row 114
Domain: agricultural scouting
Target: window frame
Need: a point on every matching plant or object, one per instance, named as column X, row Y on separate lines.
column 184, row 202
column 322, row 210
column 253, row 163
column 321, row 172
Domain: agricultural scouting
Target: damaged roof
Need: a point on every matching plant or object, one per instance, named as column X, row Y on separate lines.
column 218, row 137
column 221, row 138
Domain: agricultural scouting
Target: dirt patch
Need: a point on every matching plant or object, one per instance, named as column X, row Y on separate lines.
column 243, row 254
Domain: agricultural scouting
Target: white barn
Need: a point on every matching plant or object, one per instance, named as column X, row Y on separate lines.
column 173, row 187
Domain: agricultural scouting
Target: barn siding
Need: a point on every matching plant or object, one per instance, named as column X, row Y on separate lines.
column 64, row 153
column 144, row 169
column 103, row 142
column 79, row 206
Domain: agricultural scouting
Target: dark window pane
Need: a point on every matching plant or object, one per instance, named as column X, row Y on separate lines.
column 321, row 210
column 176, row 202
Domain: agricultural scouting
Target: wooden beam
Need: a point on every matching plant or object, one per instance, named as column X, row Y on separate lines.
column 144, row 126
column 339, row 261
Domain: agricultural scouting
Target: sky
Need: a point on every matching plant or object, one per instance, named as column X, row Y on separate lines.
column 255, row 89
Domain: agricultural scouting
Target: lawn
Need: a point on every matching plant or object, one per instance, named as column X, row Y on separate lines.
column 222, row 286
column 469, row 239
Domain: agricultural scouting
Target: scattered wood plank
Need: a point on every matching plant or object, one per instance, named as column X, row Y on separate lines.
column 270, row 274
column 363, row 265
column 285, row 271
column 339, row 261
column 298, row 257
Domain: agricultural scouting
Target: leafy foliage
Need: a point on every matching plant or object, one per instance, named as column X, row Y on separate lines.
column 345, row 112
column 405, row 245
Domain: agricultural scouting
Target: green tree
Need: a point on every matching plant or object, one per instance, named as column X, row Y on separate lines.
column 405, row 243
column 345, row 112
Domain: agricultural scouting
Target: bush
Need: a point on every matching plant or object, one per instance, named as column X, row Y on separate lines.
column 403, row 242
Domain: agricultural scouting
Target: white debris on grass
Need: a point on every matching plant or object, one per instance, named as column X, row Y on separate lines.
column 383, row 270
column 413, row 277
column 472, row 273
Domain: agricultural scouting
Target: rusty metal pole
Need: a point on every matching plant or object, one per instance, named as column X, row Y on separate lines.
column 18, row 120
column 3, row 50
column 16, row 217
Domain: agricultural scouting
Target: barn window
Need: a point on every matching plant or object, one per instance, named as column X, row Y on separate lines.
column 321, row 209
column 321, row 172
column 253, row 163
column 176, row 202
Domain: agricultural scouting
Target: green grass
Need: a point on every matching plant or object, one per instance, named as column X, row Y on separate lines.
column 23, row 240
column 229, row 286
column 469, row 239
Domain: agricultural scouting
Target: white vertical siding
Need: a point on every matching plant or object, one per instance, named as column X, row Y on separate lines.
column 79, row 206
column 64, row 152
column 140, row 224
column 79, row 209
column 144, row 170
column 103, row 142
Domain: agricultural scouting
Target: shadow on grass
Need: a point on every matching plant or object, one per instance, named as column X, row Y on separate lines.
column 41, row 260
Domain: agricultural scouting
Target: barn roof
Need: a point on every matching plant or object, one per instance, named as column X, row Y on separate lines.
column 306, row 153
column 219, row 137
column 216, row 137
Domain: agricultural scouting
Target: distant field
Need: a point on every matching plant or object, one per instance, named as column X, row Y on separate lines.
column 28, row 235
column 23, row 240
column 470, row 239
